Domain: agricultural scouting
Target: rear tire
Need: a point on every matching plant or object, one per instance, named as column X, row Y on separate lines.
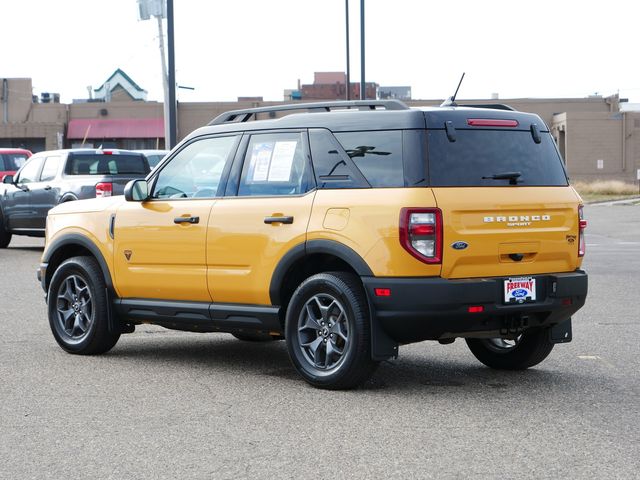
column 328, row 331
column 5, row 237
column 78, row 308
column 529, row 349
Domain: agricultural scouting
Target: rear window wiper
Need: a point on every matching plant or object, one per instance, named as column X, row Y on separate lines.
column 511, row 176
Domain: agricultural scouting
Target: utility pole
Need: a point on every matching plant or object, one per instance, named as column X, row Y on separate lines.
column 363, row 95
column 165, row 83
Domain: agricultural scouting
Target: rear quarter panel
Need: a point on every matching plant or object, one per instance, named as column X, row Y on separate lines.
column 367, row 221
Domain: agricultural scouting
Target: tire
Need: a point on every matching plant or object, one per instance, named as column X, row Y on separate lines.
column 328, row 331
column 529, row 349
column 78, row 308
column 5, row 237
column 254, row 337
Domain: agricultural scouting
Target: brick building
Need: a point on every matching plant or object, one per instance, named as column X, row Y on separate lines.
column 598, row 139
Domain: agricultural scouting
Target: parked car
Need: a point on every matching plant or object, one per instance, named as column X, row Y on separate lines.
column 11, row 159
column 346, row 233
column 153, row 156
column 53, row 177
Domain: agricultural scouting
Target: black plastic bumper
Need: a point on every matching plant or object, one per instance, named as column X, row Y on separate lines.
column 435, row 308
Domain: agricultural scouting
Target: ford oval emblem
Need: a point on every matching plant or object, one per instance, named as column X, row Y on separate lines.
column 519, row 293
column 459, row 245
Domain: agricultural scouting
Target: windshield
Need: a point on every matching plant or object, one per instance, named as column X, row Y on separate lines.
column 101, row 164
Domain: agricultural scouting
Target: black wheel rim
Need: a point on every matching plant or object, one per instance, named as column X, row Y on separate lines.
column 74, row 309
column 323, row 332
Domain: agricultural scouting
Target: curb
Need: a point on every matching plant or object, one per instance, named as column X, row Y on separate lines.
column 615, row 201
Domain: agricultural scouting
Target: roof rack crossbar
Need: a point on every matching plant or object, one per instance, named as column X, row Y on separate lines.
column 239, row 116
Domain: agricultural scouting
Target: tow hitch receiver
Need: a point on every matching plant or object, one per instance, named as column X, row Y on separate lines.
column 513, row 325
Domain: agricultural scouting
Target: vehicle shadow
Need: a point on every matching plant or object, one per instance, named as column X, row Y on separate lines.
column 430, row 373
column 27, row 248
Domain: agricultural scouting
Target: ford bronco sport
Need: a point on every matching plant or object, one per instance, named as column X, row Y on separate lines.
column 348, row 230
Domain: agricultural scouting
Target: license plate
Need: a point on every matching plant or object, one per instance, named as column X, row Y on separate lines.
column 520, row 290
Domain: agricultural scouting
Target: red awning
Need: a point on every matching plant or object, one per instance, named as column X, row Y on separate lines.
column 95, row 128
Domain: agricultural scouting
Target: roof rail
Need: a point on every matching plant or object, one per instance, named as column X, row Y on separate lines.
column 495, row 106
column 239, row 116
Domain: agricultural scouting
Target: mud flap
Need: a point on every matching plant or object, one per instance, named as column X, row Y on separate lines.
column 561, row 333
column 382, row 346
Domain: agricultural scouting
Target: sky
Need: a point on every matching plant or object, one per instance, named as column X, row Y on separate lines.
column 231, row 48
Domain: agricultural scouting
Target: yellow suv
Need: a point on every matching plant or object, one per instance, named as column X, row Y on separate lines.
column 347, row 230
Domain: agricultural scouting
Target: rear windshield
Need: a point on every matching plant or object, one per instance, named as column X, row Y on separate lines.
column 486, row 153
column 12, row 161
column 101, row 164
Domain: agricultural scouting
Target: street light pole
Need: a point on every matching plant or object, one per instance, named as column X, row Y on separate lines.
column 363, row 95
column 348, row 63
column 173, row 114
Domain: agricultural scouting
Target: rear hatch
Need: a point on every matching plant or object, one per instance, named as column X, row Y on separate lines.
column 110, row 170
column 506, row 204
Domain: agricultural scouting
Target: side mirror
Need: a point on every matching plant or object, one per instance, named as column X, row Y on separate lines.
column 8, row 179
column 136, row 191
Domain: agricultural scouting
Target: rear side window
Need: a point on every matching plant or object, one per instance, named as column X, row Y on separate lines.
column 275, row 164
column 50, row 168
column 12, row 161
column 378, row 155
column 101, row 164
column 484, row 153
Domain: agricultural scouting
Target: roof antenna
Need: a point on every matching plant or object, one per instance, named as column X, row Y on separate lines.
column 451, row 101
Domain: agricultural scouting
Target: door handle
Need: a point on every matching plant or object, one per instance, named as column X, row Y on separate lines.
column 186, row 220
column 48, row 187
column 287, row 220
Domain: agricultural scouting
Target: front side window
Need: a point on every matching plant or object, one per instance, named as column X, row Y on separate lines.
column 196, row 170
column 50, row 168
column 30, row 171
column 275, row 164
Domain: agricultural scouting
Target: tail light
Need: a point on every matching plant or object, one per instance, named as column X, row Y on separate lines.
column 104, row 189
column 491, row 122
column 421, row 233
column 582, row 224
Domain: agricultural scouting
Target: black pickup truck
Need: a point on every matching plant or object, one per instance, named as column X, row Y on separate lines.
column 57, row 176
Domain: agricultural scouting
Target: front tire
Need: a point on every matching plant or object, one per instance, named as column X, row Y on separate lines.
column 78, row 308
column 328, row 331
column 527, row 350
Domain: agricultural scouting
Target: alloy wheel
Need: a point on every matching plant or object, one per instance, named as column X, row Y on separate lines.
column 323, row 332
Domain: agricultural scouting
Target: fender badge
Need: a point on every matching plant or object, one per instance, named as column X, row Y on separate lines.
column 127, row 254
column 459, row 245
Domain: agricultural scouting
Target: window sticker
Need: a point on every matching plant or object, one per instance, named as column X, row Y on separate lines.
column 272, row 161
column 282, row 161
column 260, row 162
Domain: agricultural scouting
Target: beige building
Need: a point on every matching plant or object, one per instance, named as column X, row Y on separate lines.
column 597, row 139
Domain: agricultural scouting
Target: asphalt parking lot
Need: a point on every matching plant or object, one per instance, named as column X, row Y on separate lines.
column 166, row 404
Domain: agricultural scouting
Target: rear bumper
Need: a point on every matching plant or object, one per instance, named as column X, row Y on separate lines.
column 436, row 308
